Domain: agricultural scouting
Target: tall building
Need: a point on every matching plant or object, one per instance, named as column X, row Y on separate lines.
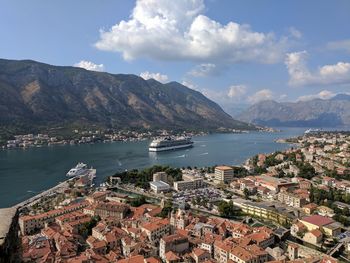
column 224, row 174
column 160, row 176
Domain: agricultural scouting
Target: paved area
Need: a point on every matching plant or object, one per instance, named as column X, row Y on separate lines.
column 6, row 215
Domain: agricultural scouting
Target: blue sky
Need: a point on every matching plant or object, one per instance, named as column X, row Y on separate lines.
column 235, row 52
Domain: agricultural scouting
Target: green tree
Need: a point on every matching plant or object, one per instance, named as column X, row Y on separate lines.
column 86, row 229
column 227, row 210
column 246, row 193
column 306, row 170
column 138, row 201
column 168, row 207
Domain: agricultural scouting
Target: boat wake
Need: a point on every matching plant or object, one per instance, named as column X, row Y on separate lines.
column 180, row 156
column 203, row 153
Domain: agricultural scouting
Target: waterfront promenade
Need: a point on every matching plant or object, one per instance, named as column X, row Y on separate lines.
column 54, row 190
column 7, row 215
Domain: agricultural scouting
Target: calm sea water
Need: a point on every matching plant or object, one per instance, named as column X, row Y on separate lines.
column 25, row 172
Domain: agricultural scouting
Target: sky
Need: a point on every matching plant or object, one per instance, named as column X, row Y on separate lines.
column 235, row 52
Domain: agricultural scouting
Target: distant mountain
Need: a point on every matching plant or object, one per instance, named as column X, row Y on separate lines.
column 234, row 109
column 313, row 113
column 34, row 95
column 341, row 97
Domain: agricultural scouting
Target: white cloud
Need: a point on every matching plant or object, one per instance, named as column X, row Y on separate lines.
column 283, row 97
column 190, row 85
column 237, row 91
column 178, row 30
column 295, row 32
column 261, row 95
column 89, row 65
column 324, row 94
column 300, row 75
column 237, row 94
column 233, row 95
column 157, row 76
column 340, row 45
column 215, row 95
column 204, row 70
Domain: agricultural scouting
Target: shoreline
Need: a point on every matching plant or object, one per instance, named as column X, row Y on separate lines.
column 60, row 187
column 73, row 142
column 32, row 200
column 131, row 139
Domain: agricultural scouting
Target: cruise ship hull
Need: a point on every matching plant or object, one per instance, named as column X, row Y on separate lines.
column 170, row 148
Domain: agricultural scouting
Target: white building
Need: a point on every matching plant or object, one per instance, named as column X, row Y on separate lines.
column 159, row 186
column 194, row 183
column 224, row 174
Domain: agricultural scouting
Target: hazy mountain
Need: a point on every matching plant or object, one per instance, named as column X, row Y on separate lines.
column 34, row 95
column 234, row 109
column 314, row 113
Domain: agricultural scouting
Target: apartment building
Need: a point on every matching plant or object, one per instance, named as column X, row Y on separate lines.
column 193, row 183
column 268, row 211
column 30, row 223
column 160, row 176
column 224, row 174
column 108, row 209
column 291, row 199
column 156, row 230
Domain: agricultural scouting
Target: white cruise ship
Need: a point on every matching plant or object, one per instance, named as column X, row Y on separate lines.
column 312, row 131
column 79, row 169
column 170, row 143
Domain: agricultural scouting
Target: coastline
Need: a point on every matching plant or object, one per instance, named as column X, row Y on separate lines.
column 64, row 185
column 43, row 140
column 113, row 158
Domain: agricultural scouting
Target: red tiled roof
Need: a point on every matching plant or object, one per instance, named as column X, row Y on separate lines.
column 198, row 252
column 134, row 259
column 152, row 260
column 318, row 220
column 171, row 256
column 156, row 225
column 316, row 233
column 175, row 237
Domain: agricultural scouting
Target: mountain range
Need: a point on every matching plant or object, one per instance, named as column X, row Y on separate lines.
column 313, row 113
column 35, row 95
